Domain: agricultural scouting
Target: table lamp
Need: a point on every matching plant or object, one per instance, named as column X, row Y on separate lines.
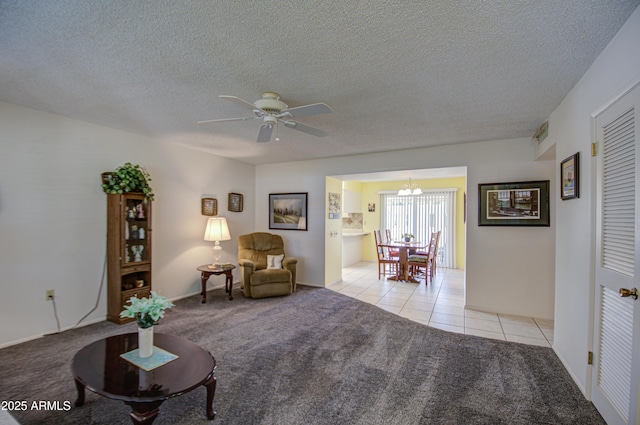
column 217, row 230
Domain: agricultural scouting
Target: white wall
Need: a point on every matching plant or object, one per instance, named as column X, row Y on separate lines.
column 496, row 257
column 570, row 129
column 333, row 244
column 53, row 215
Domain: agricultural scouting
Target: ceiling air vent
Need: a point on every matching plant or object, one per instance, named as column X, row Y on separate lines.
column 542, row 132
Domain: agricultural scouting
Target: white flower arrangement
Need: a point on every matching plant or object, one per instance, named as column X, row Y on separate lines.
column 147, row 311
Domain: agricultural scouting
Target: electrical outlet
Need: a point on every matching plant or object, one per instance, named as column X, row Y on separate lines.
column 49, row 293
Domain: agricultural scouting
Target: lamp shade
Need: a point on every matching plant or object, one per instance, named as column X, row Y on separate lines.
column 217, row 230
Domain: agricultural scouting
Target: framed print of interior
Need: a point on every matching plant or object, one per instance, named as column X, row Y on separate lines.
column 570, row 177
column 288, row 211
column 236, row 202
column 514, row 204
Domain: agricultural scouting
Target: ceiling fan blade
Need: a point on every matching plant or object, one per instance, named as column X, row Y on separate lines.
column 228, row 119
column 305, row 110
column 265, row 133
column 239, row 101
column 305, row 128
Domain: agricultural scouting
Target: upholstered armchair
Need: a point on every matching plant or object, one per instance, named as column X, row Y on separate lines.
column 264, row 269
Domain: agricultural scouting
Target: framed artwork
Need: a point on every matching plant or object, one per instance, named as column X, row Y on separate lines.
column 570, row 177
column 334, row 206
column 288, row 211
column 236, row 202
column 209, row 206
column 371, row 207
column 514, row 204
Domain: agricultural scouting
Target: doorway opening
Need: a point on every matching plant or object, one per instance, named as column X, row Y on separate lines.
column 367, row 213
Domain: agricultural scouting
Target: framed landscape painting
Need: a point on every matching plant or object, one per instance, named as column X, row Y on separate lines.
column 514, row 204
column 288, row 211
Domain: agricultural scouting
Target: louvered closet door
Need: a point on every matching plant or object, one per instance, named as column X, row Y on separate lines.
column 616, row 369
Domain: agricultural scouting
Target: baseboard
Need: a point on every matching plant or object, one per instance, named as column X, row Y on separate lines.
column 217, row 285
column 20, row 341
column 313, row 285
column 31, row 338
column 97, row 320
column 330, row 283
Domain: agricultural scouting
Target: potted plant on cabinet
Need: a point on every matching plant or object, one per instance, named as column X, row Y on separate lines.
column 128, row 178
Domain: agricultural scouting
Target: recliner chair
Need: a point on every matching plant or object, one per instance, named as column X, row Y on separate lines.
column 264, row 269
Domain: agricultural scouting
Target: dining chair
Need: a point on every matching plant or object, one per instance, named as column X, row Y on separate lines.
column 391, row 252
column 431, row 253
column 419, row 264
column 384, row 260
column 425, row 252
column 426, row 260
column 434, row 255
column 431, row 240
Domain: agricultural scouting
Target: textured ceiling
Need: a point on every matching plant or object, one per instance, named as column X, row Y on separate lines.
column 398, row 74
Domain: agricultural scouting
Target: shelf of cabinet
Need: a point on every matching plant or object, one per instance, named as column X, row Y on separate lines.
column 128, row 251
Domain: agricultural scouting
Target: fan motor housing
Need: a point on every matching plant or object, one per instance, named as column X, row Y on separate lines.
column 270, row 103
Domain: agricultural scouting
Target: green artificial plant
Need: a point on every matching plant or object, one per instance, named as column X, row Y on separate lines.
column 128, row 178
column 147, row 311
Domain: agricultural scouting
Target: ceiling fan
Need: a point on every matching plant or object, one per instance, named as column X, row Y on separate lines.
column 271, row 110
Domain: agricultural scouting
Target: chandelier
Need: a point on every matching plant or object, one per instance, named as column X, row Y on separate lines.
column 409, row 189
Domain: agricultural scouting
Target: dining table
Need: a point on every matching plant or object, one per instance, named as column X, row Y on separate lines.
column 404, row 250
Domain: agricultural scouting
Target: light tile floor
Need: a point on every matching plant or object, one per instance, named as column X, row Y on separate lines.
column 440, row 305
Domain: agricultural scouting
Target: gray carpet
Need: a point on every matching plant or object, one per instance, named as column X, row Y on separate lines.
column 316, row 357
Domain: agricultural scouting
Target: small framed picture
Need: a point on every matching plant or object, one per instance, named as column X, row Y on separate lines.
column 334, row 205
column 570, row 177
column 209, row 206
column 236, row 201
column 288, row 211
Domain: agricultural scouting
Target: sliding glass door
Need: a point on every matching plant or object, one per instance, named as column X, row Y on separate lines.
column 420, row 215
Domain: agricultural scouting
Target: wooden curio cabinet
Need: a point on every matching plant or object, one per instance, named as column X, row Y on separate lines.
column 128, row 251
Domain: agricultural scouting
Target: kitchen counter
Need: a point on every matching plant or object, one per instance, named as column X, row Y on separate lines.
column 352, row 240
column 352, row 234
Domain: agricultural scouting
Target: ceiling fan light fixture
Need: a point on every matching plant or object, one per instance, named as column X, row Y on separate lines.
column 269, row 120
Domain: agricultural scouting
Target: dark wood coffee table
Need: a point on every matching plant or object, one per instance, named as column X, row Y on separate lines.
column 99, row 367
